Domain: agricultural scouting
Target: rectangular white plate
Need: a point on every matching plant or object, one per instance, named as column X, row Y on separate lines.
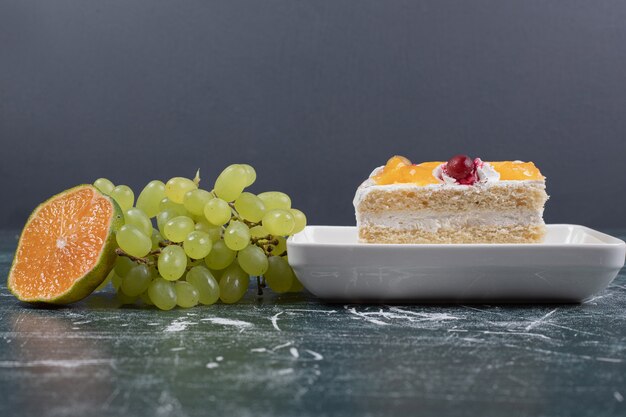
column 573, row 264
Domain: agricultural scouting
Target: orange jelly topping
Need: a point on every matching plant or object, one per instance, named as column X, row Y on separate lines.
column 399, row 170
column 517, row 171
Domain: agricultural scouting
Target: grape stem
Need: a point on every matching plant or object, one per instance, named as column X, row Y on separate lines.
column 236, row 216
column 120, row 252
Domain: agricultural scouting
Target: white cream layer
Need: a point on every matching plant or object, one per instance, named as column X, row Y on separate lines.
column 431, row 221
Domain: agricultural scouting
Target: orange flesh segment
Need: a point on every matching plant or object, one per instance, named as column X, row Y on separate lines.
column 399, row 170
column 62, row 242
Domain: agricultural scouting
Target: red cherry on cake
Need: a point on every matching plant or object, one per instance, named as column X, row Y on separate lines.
column 460, row 167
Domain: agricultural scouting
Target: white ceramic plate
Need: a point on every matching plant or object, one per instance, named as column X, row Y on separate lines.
column 573, row 264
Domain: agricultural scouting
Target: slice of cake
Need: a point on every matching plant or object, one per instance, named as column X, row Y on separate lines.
column 463, row 200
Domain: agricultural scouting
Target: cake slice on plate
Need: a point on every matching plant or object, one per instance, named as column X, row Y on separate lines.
column 463, row 200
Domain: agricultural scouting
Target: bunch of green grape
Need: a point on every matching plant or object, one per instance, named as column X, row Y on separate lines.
column 206, row 244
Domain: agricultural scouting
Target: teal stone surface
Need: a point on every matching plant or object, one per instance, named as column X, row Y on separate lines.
column 293, row 355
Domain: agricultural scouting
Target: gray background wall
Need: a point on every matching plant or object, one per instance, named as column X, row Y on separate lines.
column 314, row 94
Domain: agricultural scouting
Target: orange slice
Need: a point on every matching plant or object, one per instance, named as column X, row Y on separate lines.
column 67, row 247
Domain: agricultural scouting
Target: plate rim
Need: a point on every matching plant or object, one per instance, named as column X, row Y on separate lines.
column 607, row 241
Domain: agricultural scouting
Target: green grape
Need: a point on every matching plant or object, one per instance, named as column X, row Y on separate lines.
column 123, row 265
column 250, row 207
column 195, row 201
column 231, row 182
column 186, row 294
column 220, row 256
column 258, row 231
column 133, row 241
column 169, row 205
column 278, row 222
column 116, row 281
column 208, row 288
column 172, row 262
column 275, row 200
column 150, row 198
column 163, row 217
column 252, row 259
column 233, row 284
column 217, row 212
column 250, row 174
column 145, row 298
column 296, row 286
column 124, row 196
column 156, row 238
column 299, row 219
column 176, row 188
column 279, row 275
column 125, row 299
column 136, row 281
column 106, row 281
column 197, row 245
column 162, row 294
column 177, row 229
column 214, row 232
column 138, row 218
column 104, row 186
column 280, row 247
column 237, row 235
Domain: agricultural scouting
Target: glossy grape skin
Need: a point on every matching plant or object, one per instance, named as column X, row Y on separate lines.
column 250, row 207
column 217, row 212
column 279, row 275
column 177, row 229
column 124, row 196
column 208, row 288
column 250, row 174
column 186, row 294
column 296, row 285
column 275, row 200
column 123, row 265
column 138, row 218
column 177, row 187
column 132, row 241
column 168, row 205
column 231, row 182
column 136, row 281
column 197, row 245
column 172, row 262
column 214, row 232
column 220, row 256
column 156, row 239
column 195, row 200
column 233, row 284
column 163, row 217
column 299, row 220
column 279, row 222
column 116, row 281
column 150, row 198
column 104, row 185
column 162, row 294
column 258, row 232
column 237, row 236
column 252, row 260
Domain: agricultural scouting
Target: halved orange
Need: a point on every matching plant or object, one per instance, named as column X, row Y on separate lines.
column 66, row 248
